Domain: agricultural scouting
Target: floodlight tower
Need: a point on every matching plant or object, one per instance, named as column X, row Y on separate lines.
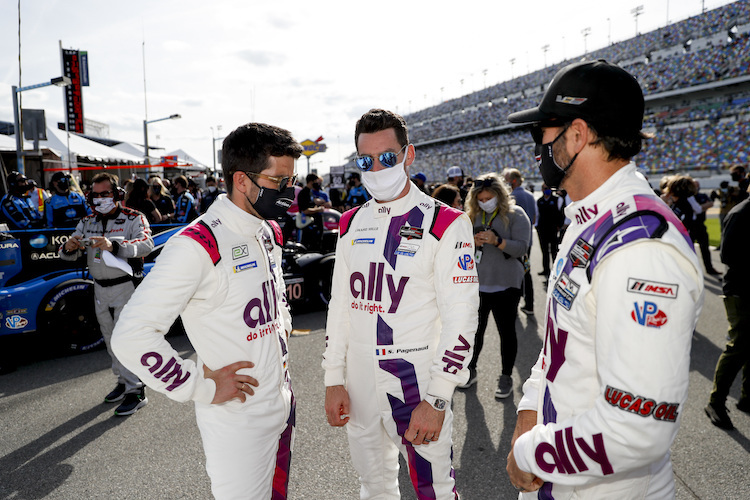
column 637, row 12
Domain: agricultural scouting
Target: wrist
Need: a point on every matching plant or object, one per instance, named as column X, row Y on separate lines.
column 437, row 403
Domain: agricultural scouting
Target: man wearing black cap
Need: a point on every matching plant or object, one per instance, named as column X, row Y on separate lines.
column 16, row 207
column 65, row 207
column 601, row 407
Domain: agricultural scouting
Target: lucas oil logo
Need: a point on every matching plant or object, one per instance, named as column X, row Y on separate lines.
column 466, row 262
column 648, row 314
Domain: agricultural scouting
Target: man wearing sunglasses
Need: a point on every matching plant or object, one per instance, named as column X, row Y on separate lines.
column 603, row 403
column 113, row 233
column 401, row 321
column 222, row 274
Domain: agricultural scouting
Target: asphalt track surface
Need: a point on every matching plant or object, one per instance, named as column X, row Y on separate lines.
column 59, row 441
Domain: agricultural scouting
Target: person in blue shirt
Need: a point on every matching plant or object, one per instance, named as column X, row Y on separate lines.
column 357, row 194
column 16, row 206
column 65, row 207
column 185, row 209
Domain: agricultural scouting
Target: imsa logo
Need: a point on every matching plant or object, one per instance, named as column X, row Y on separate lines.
column 654, row 288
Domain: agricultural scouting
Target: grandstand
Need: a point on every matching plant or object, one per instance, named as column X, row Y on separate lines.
column 695, row 75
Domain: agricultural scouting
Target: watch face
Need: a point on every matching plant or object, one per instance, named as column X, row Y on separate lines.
column 439, row 404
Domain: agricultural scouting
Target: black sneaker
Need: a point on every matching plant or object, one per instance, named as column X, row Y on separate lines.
column 528, row 311
column 744, row 405
column 116, row 395
column 718, row 416
column 133, row 402
column 504, row 387
column 472, row 379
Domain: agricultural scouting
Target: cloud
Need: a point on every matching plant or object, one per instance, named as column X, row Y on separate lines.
column 193, row 103
column 261, row 58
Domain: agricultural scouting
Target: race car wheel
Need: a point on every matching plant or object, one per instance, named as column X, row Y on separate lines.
column 68, row 320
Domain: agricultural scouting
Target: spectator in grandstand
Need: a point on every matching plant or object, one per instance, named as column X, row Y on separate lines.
column 601, row 347
column 161, row 198
column 525, row 200
column 357, row 194
column 456, row 177
column 65, row 207
column 549, row 223
column 185, row 208
column 700, row 233
column 138, row 200
column 449, row 194
column 311, row 205
column 16, row 207
column 501, row 239
column 210, row 194
column 420, row 180
column 736, row 355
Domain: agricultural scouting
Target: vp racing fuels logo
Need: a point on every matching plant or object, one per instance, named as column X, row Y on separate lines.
column 648, row 314
column 466, row 262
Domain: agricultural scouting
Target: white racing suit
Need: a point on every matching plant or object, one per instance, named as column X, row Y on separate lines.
column 130, row 234
column 401, row 324
column 612, row 377
column 223, row 275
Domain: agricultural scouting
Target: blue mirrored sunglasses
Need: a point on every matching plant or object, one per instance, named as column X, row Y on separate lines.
column 387, row 159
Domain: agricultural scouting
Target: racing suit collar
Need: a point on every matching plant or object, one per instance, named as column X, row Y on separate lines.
column 399, row 206
column 234, row 216
column 623, row 179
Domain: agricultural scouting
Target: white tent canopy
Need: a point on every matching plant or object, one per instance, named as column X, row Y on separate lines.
column 184, row 157
column 58, row 141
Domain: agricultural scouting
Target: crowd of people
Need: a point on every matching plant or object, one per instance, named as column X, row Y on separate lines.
column 162, row 201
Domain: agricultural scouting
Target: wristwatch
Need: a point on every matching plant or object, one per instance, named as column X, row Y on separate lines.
column 439, row 404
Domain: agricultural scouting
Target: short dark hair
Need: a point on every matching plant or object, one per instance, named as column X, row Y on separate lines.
column 376, row 120
column 114, row 182
column 210, row 178
column 181, row 180
column 311, row 178
column 620, row 147
column 249, row 147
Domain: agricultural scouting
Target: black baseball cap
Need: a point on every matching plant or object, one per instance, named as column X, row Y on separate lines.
column 601, row 93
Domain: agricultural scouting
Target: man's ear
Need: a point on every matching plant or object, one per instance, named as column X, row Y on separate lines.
column 411, row 154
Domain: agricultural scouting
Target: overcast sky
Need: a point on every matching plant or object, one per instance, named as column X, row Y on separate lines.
column 310, row 67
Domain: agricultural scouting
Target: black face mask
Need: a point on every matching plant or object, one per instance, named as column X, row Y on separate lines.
column 552, row 173
column 272, row 203
column 316, row 186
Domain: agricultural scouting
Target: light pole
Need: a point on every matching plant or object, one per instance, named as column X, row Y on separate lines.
column 585, row 32
column 145, row 133
column 545, row 48
column 637, row 12
column 61, row 81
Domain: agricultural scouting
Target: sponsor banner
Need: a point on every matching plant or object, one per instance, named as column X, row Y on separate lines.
column 73, row 94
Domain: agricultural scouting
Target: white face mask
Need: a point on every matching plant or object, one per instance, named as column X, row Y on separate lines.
column 386, row 184
column 488, row 206
column 104, row 205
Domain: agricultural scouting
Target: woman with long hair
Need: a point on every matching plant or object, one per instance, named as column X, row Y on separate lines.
column 160, row 196
column 448, row 194
column 138, row 199
column 501, row 238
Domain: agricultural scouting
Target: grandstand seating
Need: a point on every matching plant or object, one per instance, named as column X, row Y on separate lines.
column 707, row 133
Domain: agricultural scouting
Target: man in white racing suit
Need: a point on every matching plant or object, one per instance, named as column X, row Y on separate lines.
column 401, row 321
column 223, row 275
column 604, row 401
column 122, row 234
